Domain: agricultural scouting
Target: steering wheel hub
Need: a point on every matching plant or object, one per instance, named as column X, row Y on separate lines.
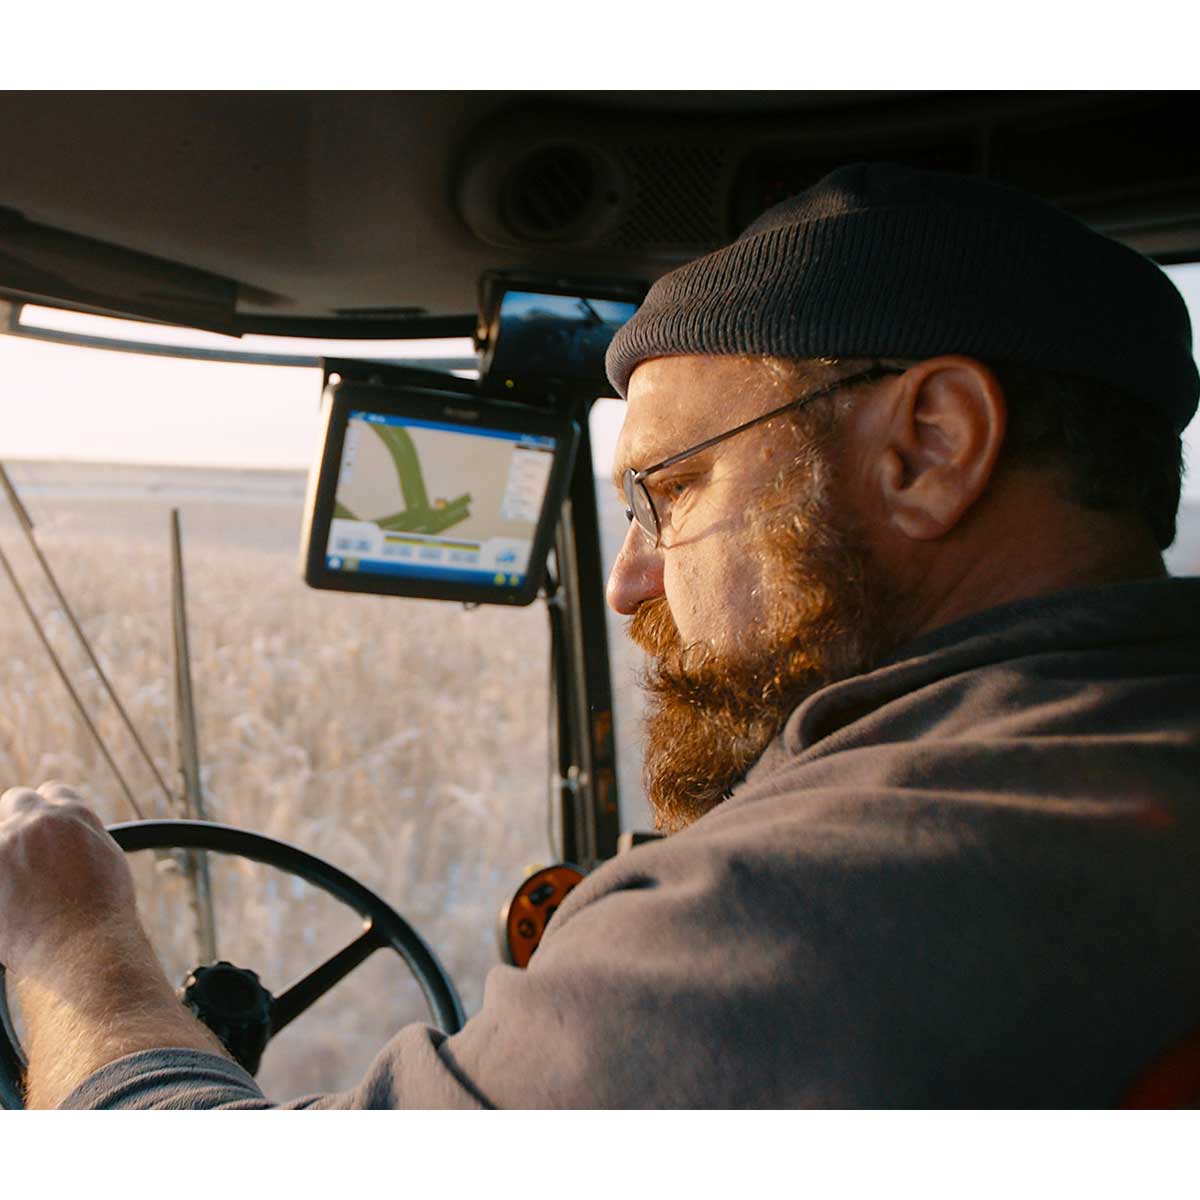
column 235, row 1006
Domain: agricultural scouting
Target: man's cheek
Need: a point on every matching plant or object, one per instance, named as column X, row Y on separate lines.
column 693, row 580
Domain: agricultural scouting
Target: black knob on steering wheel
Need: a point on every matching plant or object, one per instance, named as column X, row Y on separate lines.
column 384, row 928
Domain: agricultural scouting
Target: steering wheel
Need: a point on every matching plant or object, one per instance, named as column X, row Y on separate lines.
column 385, row 928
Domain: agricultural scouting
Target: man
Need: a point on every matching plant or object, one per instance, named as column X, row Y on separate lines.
column 925, row 710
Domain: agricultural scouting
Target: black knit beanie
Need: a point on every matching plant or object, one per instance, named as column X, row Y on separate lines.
column 884, row 261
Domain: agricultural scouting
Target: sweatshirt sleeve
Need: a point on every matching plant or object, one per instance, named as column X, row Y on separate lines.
column 408, row 1073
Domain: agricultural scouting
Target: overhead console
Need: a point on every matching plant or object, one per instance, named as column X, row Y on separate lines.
column 637, row 189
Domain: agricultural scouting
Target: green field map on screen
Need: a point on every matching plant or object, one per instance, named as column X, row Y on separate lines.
column 418, row 515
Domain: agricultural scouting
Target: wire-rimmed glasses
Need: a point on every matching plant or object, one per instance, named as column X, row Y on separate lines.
column 639, row 506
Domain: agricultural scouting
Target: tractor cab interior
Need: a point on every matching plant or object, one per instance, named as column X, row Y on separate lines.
column 434, row 698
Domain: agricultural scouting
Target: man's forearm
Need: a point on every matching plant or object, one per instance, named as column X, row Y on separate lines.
column 106, row 998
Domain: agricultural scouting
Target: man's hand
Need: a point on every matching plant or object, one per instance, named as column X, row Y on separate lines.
column 90, row 987
column 61, row 876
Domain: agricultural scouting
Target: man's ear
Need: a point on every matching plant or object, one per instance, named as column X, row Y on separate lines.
column 940, row 446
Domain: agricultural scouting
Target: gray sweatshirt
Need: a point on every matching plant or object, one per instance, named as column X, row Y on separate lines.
column 968, row 877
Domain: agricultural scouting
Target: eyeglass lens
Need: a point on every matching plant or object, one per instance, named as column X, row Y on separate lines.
column 640, row 508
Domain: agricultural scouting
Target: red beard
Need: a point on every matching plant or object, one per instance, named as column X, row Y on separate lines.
column 710, row 717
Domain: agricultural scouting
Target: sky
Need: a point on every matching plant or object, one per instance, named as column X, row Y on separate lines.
column 64, row 402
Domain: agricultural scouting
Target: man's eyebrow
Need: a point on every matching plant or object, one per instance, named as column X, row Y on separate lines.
column 618, row 478
column 657, row 455
column 620, row 465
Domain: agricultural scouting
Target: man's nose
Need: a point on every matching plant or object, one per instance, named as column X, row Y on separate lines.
column 637, row 574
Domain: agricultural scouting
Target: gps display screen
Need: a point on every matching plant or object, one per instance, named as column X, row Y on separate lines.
column 405, row 506
column 418, row 503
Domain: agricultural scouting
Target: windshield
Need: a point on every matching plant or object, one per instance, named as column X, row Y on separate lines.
column 405, row 741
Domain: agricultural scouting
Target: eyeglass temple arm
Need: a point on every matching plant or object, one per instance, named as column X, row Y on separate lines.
column 862, row 377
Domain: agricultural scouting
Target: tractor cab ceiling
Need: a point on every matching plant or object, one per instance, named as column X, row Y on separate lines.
column 374, row 214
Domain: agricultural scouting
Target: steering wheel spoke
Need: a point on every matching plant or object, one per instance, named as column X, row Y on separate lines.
column 303, row 995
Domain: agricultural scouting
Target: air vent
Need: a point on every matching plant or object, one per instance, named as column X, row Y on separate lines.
column 679, row 198
column 550, row 194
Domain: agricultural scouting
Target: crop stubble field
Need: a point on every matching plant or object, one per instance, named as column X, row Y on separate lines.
column 404, row 741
